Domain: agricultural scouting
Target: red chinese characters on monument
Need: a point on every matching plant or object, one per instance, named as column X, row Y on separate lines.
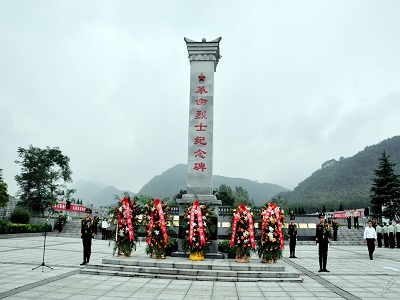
column 199, row 166
column 201, row 114
column 200, row 153
column 201, row 89
column 201, row 101
column 200, row 127
column 200, row 140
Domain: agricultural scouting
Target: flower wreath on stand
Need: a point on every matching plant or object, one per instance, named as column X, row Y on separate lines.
column 125, row 217
column 271, row 243
column 242, row 233
column 198, row 229
column 155, row 219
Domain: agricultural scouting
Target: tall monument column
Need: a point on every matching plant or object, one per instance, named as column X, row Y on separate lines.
column 203, row 57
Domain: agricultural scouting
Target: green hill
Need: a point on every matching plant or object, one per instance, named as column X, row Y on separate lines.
column 345, row 181
column 170, row 182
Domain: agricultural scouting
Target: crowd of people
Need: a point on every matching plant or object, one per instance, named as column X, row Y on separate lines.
column 386, row 235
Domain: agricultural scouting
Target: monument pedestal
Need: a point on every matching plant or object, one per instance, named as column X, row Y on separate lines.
column 187, row 200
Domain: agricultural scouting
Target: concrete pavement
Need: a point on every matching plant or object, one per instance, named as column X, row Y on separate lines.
column 352, row 276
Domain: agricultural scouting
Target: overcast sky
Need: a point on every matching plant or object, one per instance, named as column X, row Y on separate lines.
column 299, row 83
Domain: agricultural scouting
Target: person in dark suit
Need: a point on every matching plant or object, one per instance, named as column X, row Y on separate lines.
column 96, row 220
column 335, row 227
column 385, row 235
column 87, row 234
column 379, row 234
column 60, row 223
column 322, row 237
column 348, row 216
column 292, row 232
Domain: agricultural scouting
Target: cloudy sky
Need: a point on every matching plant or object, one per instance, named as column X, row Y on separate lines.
column 299, row 83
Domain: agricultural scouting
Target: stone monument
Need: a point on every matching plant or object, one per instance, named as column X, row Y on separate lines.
column 203, row 57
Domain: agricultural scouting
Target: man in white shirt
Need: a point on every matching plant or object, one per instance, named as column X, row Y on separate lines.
column 104, row 225
column 369, row 238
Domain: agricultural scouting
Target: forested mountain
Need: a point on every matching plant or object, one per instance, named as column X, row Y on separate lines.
column 170, row 182
column 96, row 193
column 346, row 181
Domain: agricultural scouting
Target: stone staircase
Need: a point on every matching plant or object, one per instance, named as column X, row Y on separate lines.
column 183, row 269
column 71, row 229
column 346, row 237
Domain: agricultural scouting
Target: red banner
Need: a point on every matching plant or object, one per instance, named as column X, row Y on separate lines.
column 196, row 212
column 128, row 218
column 157, row 205
column 73, row 207
column 342, row 214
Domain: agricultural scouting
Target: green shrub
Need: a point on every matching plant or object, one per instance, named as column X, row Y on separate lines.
column 23, row 228
column 20, row 216
column 172, row 246
column 3, row 226
column 224, row 247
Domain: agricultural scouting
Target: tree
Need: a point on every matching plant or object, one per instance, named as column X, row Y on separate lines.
column 242, row 196
column 66, row 195
column 341, row 207
column 385, row 190
column 225, row 194
column 180, row 194
column 4, row 196
column 323, row 208
column 43, row 178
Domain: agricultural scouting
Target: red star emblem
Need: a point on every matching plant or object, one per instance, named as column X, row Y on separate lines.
column 202, row 77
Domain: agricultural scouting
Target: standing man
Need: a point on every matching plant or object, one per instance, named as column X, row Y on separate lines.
column 374, row 223
column 60, row 221
column 96, row 220
column 369, row 238
column 322, row 237
column 397, row 229
column 292, row 236
column 348, row 216
column 385, row 235
column 391, row 235
column 335, row 227
column 379, row 234
column 355, row 215
column 87, row 234
column 104, row 225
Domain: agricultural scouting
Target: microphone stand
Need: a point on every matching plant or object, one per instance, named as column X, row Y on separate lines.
column 44, row 248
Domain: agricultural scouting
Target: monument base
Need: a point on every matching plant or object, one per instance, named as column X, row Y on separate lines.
column 203, row 199
column 208, row 255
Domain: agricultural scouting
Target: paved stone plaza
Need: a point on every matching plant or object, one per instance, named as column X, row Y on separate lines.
column 352, row 276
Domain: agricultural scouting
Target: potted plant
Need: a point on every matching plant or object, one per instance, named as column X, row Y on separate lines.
column 125, row 216
column 271, row 243
column 155, row 219
column 224, row 247
column 242, row 233
column 198, row 229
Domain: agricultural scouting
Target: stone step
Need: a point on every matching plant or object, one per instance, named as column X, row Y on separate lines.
column 339, row 242
column 211, row 270
column 187, row 264
column 189, row 277
column 191, row 272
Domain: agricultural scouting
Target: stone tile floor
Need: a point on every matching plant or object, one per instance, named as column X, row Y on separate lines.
column 352, row 276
